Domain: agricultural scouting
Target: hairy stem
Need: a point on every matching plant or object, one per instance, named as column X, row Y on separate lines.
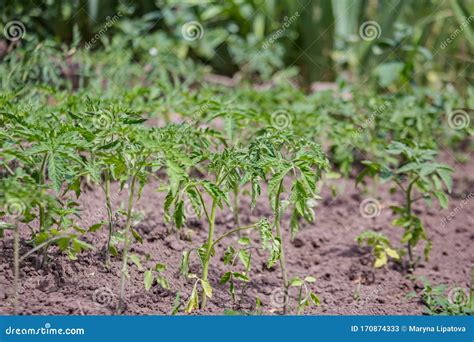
column 230, row 232
column 42, row 214
column 16, row 268
column 109, row 217
column 124, row 275
column 409, row 201
column 282, row 252
column 236, row 207
column 210, row 243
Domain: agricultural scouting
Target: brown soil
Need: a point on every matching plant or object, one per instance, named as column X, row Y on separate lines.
column 325, row 249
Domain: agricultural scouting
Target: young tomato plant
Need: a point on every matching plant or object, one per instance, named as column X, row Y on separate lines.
column 413, row 170
column 231, row 257
column 306, row 297
column 107, row 130
column 381, row 247
column 225, row 169
column 295, row 161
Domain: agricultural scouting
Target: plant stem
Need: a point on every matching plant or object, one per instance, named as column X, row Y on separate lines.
column 408, row 212
column 44, row 244
column 109, row 216
column 230, row 232
column 282, row 252
column 236, row 206
column 41, row 182
column 210, row 243
column 126, row 246
column 16, row 267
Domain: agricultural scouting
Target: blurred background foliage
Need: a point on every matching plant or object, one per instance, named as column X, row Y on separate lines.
column 319, row 40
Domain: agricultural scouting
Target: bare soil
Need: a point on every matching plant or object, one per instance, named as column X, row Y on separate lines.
column 347, row 284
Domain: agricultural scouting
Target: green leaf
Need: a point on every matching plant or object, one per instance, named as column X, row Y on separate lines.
column 178, row 215
column 445, row 175
column 136, row 235
column 148, row 280
column 392, row 253
column 95, row 227
column 193, row 302
column 206, row 287
column 314, row 299
column 225, row 278
column 442, row 199
column 162, row 281
column 244, row 257
column 380, row 259
column 184, row 267
column 244, row 241
column 296, row 282
column 159, row 267
column 309, row 279
column 240, row 276
column 136, row 260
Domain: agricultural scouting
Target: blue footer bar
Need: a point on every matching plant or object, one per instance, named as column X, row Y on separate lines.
column 236, row 328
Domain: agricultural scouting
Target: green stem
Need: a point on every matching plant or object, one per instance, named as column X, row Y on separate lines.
column 109, row 216
column 126, row 246
column 210, row 243
column 236, row 206
column 230, row 232
column 42, row 214
column 16, row 268
column 408, row 212
column 282, row 252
